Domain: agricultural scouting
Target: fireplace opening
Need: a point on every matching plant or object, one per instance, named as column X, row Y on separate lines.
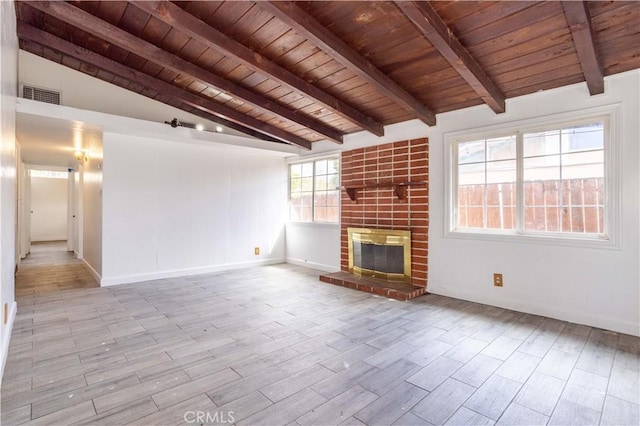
column 381, row 253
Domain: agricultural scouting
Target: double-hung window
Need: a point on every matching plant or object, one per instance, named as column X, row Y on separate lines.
column 550, row 179
column 314, row 191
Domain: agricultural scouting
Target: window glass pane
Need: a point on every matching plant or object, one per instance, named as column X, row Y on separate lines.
column 541, row 205
column 471, row 152
column 541, row 143
column 295, row 207
column 321, row 167
column 583, row 137
column 296, row 185
column 320, row 213
column 501, row 208
column 541, row 168
column 334, row 182
column 583, row 165
column 501, row 171
column 583, row 205
column 471, row 217
column 306, row 210
column 296, row 170
column 333, row 214
column 306, row 184
column 541, row 188
column 307, row 169
column 333, row 166
column 470, row 174
column 51, row 174
column 471, row 206
column 321, row 183
column 333, row 199
column 501, row 148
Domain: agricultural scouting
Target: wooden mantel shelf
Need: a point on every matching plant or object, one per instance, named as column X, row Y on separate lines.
column 399, row 188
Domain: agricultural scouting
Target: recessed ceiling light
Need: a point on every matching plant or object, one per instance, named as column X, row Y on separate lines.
column 199, row 127
column 219, row 129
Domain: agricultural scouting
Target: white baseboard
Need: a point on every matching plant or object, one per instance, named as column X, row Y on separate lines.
column 93, row 272
column 135, row 278
column 592, row 319
column 313, row 265
column 4, row 351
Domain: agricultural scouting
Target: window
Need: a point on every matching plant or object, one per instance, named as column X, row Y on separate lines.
column 549, row 180
column 314, row 191
column 52, row 174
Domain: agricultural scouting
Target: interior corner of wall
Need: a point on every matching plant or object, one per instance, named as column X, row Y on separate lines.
column 93, row 272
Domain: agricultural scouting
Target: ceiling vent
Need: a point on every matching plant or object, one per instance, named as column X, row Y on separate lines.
column 41, row 95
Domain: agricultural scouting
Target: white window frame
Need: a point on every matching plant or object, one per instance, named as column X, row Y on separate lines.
column 313, row 197
column 610, row 114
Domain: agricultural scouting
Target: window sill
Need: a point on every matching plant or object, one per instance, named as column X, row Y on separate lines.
column 551, row 240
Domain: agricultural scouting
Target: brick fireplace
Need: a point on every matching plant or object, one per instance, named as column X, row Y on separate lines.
column 386, row 187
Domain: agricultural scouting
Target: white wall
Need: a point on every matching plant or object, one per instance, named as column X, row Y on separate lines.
column 8, row 90
column 595, row 286
column 49, row 209
column 173, row 209
column 313, row 245
column 92, row 213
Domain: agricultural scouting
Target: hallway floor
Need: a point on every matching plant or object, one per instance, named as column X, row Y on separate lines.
column 48, row 269
column 273, row 346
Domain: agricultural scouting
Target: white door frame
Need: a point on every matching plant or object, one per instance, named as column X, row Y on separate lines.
column 26, row 217
column 71, row 214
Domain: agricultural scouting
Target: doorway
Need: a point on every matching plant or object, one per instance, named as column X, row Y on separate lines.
column 50, row 206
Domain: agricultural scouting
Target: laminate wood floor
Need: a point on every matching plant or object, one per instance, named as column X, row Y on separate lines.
column 274, row 346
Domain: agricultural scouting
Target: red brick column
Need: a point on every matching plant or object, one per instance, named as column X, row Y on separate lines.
column 405, row 161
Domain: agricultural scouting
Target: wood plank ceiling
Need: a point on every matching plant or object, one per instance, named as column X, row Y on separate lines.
column 300, row 72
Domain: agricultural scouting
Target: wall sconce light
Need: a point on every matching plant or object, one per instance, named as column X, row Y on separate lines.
column 80, row 155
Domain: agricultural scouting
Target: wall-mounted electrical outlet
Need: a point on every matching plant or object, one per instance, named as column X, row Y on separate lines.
column 256, row 251
column 497, row 280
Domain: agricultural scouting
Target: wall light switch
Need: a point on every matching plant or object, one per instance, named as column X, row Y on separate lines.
column 256, row 251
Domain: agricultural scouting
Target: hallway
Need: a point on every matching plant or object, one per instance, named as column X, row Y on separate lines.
column 49, row 268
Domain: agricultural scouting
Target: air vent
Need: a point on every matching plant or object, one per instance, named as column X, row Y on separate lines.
column 41, row 95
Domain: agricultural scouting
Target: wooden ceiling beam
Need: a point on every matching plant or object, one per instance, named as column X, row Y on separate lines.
column 112, row 34
column 433, row 27
column 187, row 23
column 212, row 110
column 307, row 26
column 584, row 40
